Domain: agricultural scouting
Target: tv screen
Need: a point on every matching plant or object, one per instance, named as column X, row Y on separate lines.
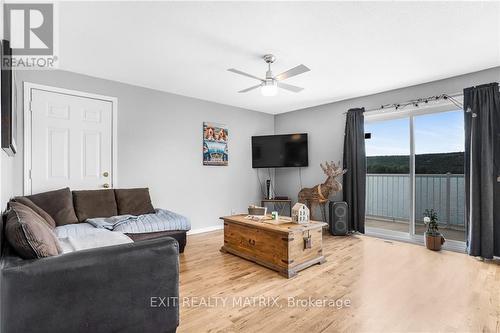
column 279, row 151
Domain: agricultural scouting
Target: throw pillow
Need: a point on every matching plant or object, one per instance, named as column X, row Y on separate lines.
column 134, row 201
column 94, row 203
column 58, row 204
column 28, row 233
column 27, row 202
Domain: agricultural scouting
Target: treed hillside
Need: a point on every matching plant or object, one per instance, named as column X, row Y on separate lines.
column 424, row 163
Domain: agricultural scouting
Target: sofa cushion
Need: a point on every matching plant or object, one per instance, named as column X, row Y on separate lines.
column 75, row 230
column 134, row 201
column 58, row 204
column 27, row 202
column 94, row 203
column 28, row 233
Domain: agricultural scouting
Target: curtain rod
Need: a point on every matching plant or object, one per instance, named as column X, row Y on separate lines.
column 417, row 102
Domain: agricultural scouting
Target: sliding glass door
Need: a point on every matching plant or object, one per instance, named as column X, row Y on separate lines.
column 388, row 175
column 439, row 172
column 414, row 163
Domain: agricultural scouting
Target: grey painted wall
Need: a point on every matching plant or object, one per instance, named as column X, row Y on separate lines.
column 159, row 142
column 160, row 147
column 325, row 125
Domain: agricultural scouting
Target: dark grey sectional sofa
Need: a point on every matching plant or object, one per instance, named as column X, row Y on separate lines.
column 107, row 289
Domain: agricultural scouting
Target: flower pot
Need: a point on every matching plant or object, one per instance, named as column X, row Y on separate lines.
column 434, row 241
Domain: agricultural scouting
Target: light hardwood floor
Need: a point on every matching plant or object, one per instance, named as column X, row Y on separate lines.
column 392, row 287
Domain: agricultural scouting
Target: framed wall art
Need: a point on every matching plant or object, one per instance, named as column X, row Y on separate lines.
column 215, row 140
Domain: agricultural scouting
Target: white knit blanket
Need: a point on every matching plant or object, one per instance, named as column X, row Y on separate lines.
column 93, row 240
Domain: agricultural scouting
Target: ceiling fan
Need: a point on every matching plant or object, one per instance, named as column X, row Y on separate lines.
column 269, row 86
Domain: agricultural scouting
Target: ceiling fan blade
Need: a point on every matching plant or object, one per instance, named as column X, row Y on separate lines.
column 292, row 72
column 290, row 87
column 248, row 89
column 244, row 74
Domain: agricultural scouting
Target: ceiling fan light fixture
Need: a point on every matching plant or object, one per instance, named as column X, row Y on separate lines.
column 269, row 88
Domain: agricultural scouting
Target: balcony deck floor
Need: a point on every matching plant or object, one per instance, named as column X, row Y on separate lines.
column 452, row 234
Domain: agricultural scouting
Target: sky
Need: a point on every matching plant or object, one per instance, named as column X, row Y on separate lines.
column 434, row 133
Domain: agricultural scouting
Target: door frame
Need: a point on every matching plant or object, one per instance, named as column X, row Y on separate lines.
column 410, row 113
column 28, row 87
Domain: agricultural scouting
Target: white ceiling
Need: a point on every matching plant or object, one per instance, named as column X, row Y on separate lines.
column 352, row 48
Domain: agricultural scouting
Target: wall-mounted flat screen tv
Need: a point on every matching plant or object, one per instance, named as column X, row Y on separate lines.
column 280, row 151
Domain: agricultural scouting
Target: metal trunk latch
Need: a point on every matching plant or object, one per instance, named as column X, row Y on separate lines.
column 307, row 241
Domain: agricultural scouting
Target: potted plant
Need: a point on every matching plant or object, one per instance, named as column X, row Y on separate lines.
column 433, row 238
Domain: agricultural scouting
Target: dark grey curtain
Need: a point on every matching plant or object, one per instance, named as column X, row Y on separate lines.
column 482, row 167
column 355, row 163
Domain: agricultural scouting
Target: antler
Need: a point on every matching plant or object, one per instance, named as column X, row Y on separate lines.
column 333, row 169
column 325, row 169
column 342, row 171
column 336, row 169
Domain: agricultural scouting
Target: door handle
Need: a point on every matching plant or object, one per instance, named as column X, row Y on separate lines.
column 105, row 174
column 105, row 185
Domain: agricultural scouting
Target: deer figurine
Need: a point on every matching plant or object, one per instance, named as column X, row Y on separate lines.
column 318, row 195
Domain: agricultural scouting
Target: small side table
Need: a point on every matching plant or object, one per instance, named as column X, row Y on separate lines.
column 282, row 206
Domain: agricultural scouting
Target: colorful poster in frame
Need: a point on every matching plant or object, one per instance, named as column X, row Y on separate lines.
column 215, row 140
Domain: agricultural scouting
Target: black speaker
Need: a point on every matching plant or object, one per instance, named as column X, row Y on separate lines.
column 339, row 218
column 268, row 188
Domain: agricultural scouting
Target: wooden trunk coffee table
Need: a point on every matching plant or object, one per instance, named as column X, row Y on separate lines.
column 284, row 246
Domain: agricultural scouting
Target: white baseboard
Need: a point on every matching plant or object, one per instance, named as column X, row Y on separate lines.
column 206, row 229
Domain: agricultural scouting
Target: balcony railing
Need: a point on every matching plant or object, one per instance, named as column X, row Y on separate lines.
column 388, row 197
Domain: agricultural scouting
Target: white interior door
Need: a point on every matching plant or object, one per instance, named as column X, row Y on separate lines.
column 71, row 141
